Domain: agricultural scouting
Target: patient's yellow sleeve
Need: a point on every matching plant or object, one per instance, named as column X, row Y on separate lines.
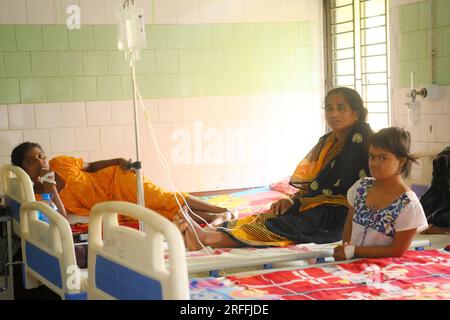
column 83, row 189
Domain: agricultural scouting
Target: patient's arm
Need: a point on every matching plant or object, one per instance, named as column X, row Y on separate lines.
column 347, row 233
column 402, row 241
column 98, row 165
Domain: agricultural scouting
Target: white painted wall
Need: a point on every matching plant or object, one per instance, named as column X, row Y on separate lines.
column 433, row 133
column 276, row 132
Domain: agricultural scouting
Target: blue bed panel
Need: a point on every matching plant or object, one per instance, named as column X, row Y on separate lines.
column 123, row 283
column 76, row 296
column 15, row 208
column 44, row 264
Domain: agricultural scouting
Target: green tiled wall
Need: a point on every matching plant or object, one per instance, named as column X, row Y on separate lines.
column 54, row 64
column 415, row 53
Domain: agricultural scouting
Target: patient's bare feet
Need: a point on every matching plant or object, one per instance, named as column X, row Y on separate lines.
column 219, row 218
column 188, row 230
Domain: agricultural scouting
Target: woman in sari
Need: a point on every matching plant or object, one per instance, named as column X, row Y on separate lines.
column 317, row 212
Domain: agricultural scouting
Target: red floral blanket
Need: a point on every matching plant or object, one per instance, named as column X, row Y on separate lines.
column 417, row 275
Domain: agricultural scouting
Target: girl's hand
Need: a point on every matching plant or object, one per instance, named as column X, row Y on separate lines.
column 339, row 253
column 280, row 206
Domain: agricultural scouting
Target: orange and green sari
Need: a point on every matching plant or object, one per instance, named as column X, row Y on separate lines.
column 320, row 205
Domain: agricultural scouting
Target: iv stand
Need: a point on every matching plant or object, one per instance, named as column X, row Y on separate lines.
column 129, row 40
column 137, row 165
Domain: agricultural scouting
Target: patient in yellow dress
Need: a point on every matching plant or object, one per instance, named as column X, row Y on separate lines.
column 77, row 185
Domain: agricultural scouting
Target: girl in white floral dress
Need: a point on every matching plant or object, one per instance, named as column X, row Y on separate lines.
column 385, row 214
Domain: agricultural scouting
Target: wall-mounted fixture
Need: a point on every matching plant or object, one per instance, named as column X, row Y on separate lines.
column 430, row 92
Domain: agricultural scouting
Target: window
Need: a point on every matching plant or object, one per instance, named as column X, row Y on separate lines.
column 357, row 52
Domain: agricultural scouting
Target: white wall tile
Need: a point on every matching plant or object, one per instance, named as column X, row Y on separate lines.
column 130, row 137
column 41, row 136
column 148, row 10
column 112, row 137
column 437, row 147
column 276, row 10
column 112, row 7
column 157, row 177
column 229, row 177
column 253, row 176
column 62, row 140
column 40, row 12
column 88, row 138
column 98, row 113
column 216, row 108
column 298, row 10
column 415, row 131
column 82, row 155
column 92, row 12
column 255, row 10
column 236, row 107
column 163, row 133
column 210, row 11
column 167, row 154
column 122, row 112
column 195, row 109
column 8, row 140
column 60, row 10
column 233, row 11
column 428, row 127
column 102, row 155
column 126, row 153
column 13, row 12
column 418, row 147
column 73, row 114
column 446, row 99
column 186, row 144
column 48, row 115
column 152, row 109
column 185, row 180
column 21, row 116
column 208, row 179
column 431, row 107
column 150, row 161
column 171, row 110
column 443, row 128
column 188, row 11
column 4, row 160
column 4, row 117
column 165, row 11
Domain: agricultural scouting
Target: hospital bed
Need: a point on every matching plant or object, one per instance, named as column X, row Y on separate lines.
column 125, row 263
column 48, row 252
column 218, row 260
column 18, row 189
column 48, row 255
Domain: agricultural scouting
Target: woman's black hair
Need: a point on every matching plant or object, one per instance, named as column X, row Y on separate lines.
column 19, row 152
column 397, row 141
column 354, row 100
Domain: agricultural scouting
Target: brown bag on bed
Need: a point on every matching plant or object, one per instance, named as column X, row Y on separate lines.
column 436, row 200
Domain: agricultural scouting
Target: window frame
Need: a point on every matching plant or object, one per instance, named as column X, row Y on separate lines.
column 359, row 46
